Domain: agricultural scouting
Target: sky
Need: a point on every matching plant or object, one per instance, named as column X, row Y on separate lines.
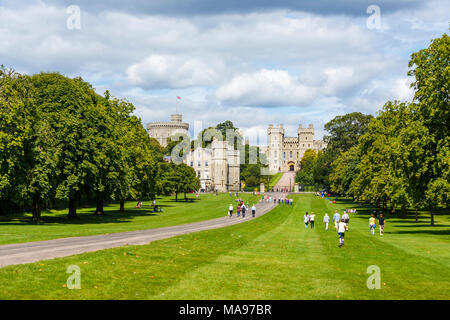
column 252, row 62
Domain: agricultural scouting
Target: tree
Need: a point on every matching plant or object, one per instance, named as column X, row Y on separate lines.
column 430, row 68
column 184, row 179
column 67, row 103
column 305, row 174
column 344, row 131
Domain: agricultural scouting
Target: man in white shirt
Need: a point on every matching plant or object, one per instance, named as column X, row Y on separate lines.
column 341, row 232
column 326, row 220
column 336, row 219
column 230, row 210
column 253, row 211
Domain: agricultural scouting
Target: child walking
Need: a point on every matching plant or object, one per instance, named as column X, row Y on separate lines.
column 341, row 232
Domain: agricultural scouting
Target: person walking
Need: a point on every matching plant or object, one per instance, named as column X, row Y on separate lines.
column 238, row 210
column 346, row 218
column 372, row 224
column 381, row 224
column 291, row 201
column 230, row 210
column 341, row 232
column 311, row 219
column 326, row 220
column 336, row 219
column 253, row 211
column 306, row 220
column 243, row 210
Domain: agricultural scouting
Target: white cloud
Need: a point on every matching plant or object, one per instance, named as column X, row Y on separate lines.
column 266, row 88
column 169, row 71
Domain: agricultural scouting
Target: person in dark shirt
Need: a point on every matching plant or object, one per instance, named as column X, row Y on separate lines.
column 381, row 223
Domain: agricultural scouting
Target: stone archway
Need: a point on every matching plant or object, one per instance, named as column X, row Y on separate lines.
column 291, row 166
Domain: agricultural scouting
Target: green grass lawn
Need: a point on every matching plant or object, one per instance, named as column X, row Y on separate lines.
column 20, row 228
column 271, row 257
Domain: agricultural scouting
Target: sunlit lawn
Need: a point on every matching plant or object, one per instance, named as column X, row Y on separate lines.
column 271, row 257
column 19, row 228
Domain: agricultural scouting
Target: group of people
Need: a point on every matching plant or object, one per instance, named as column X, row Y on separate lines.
column 341, row 223
column 283, row 200
column 241, row 209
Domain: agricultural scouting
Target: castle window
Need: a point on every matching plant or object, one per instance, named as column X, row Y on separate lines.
column 284, row 155
column 290, row 154
column 199, row 164
column 206, row 163
column 308, row 145
column 297, row 155
column 198, row 174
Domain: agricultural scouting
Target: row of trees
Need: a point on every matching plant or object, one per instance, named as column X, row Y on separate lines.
column 60, row 140
column 403, row 159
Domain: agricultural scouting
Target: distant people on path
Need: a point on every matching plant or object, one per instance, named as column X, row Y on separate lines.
column 381, row 224
column 238, row 210
column 346, row 218
column 253, row 211
column 341, row 232
column 326, row 220
column 336, row 219
column 291, row 201
column 306, row 220
column 243, row 210
column 230, row 210
column 311, row 219
column 372, row 224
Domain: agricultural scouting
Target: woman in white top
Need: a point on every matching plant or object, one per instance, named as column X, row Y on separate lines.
column 306, row 219
column 326, row 220
column 311, row 219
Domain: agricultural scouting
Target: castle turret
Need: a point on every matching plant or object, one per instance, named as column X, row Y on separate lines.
column 274, row 147
column 219, row 165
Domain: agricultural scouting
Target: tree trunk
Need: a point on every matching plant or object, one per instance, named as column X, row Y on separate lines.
column 36, row 208
column 417, row 215
column 384, row 205
column 99, row 209
column 122, row 206
column 72, row 207
column 393, row 209
column 432, row 217
column 176, row 196
column 403, row 211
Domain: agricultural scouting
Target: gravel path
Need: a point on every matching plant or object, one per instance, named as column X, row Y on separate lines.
column 28, row 252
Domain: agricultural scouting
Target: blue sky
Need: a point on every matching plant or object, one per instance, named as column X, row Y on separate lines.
column 251, row 62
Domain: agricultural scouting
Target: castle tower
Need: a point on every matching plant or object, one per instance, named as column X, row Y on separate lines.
column 163, row 130
column 219, row 165
column 275, row 146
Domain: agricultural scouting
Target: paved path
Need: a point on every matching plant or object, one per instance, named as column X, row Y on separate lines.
column 288, row 179
column 20, row 253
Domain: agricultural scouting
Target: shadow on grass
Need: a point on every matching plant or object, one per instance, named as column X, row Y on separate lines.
column 86, row 217
column 432, row 232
